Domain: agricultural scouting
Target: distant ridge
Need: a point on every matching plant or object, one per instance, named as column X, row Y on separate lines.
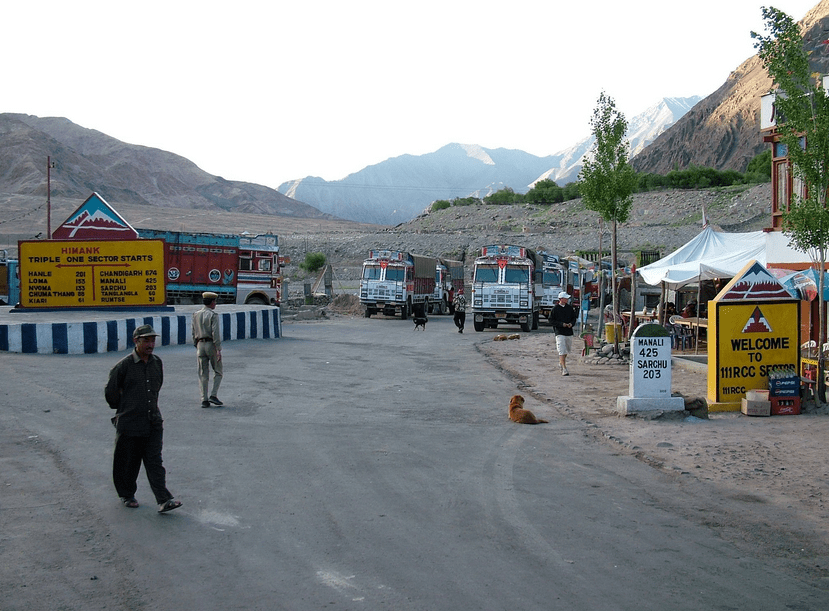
column 398, row 189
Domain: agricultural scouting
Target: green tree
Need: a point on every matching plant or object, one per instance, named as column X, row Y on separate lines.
column 803, row 126
column 759, row 168
column 607, row 179
column 503, row 197
column 314, row 262
column 545, row 192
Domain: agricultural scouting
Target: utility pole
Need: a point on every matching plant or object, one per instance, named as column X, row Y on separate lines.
column 49, row 165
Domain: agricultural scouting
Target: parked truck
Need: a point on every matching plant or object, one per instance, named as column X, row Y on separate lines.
column 9, row 280
column 448, row 281
column 506, row 287
column 239, row 269
column 555, row 277
column 394, row 281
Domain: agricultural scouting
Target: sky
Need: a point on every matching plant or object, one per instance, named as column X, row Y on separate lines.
column 274, row 90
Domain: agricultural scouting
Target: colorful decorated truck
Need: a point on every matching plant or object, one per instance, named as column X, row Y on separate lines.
column 394, row 281
column 239, row 269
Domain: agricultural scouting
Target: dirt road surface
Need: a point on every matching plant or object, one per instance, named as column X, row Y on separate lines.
column 358, row 464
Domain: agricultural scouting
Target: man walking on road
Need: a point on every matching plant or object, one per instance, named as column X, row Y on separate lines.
column 132, row 390
column 563, row 319
column 459, row 304
column 208, row 342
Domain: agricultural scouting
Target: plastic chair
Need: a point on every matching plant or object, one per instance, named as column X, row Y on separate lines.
column 588, row 339
column 684, row 336
column 672, row 332
column 808, row 349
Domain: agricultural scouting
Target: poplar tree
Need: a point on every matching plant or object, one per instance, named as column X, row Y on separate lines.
column 608, row 180
column 802, row 111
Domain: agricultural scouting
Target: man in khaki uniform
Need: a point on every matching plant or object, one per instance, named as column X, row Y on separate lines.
column 208, row 342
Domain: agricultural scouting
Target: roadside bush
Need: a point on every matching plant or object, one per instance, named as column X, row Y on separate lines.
column 314, row 261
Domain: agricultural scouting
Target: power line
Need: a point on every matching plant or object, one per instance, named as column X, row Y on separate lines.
column 24, row 215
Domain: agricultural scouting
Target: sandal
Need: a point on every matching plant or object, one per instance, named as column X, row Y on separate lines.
column 168, row 505
column 130, row 502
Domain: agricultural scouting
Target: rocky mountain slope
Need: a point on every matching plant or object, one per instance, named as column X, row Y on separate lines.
column 723, row 131
column 87, row 160
column 659, row 220
column 643, row 129
column 662, row 220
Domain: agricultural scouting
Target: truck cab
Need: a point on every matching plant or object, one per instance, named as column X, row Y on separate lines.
column 259, row 278
column 554, row 279
column 448, row 281
column 9, row 280
column 394, row 281
column 506, row 287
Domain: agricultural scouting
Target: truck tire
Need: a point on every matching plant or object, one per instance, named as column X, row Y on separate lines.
column 535, row 321
column 368, row 313
column 479, row 326
column 526, row 326
column 404, row 311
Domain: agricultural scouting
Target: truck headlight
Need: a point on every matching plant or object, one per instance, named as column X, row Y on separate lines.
column 522, row 304
column 477, row 302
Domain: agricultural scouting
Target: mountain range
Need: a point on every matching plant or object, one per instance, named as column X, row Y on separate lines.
column 398, row 189
column 88, row 160
column 720, row 131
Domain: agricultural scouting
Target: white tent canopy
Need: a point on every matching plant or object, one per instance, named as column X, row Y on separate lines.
column 717, row 254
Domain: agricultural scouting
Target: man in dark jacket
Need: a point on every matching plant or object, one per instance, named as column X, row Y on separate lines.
column 459, row 305
column 563, row 319
column 132, row 390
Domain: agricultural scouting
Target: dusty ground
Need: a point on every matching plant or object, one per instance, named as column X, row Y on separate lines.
column 774, row 467
column 781, row 459
column 767, row 476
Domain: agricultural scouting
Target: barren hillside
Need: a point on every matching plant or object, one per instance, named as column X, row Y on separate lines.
column 661, row 221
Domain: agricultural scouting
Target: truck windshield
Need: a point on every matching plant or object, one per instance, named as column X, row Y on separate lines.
column 518, row 275
column 395, row 274
column 552, row 278
column 486, row 273
column 371, row 272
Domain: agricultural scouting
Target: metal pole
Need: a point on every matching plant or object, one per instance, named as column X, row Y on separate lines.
column 48, row 198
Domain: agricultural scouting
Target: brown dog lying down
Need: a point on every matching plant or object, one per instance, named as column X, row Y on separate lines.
column 517, row 413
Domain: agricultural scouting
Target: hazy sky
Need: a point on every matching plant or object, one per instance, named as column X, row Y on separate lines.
column 268, row 91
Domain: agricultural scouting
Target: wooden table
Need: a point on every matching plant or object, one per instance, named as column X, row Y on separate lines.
column 640, row 317
column 694, row 324
column 701, row 323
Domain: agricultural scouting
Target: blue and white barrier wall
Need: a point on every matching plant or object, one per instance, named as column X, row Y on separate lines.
column 116, row 335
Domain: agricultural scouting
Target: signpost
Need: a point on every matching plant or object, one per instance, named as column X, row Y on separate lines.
column 650, row 372
column 94, row 273
column 756, row 324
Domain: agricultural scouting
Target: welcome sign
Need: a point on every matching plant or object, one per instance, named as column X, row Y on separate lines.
column 755, row 325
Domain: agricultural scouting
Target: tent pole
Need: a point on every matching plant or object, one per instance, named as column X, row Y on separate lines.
column 699, row 309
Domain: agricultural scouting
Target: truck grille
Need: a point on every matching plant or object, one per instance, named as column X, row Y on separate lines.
column 500, row 300
column 379, row 293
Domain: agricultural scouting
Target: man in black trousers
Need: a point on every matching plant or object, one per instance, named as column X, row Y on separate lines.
column 132, row 390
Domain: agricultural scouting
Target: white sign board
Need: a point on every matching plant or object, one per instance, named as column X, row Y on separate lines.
column 650, row 363
column 650, row 373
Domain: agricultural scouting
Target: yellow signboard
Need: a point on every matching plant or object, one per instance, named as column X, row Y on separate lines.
column 74, row 273
column 752, row 339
